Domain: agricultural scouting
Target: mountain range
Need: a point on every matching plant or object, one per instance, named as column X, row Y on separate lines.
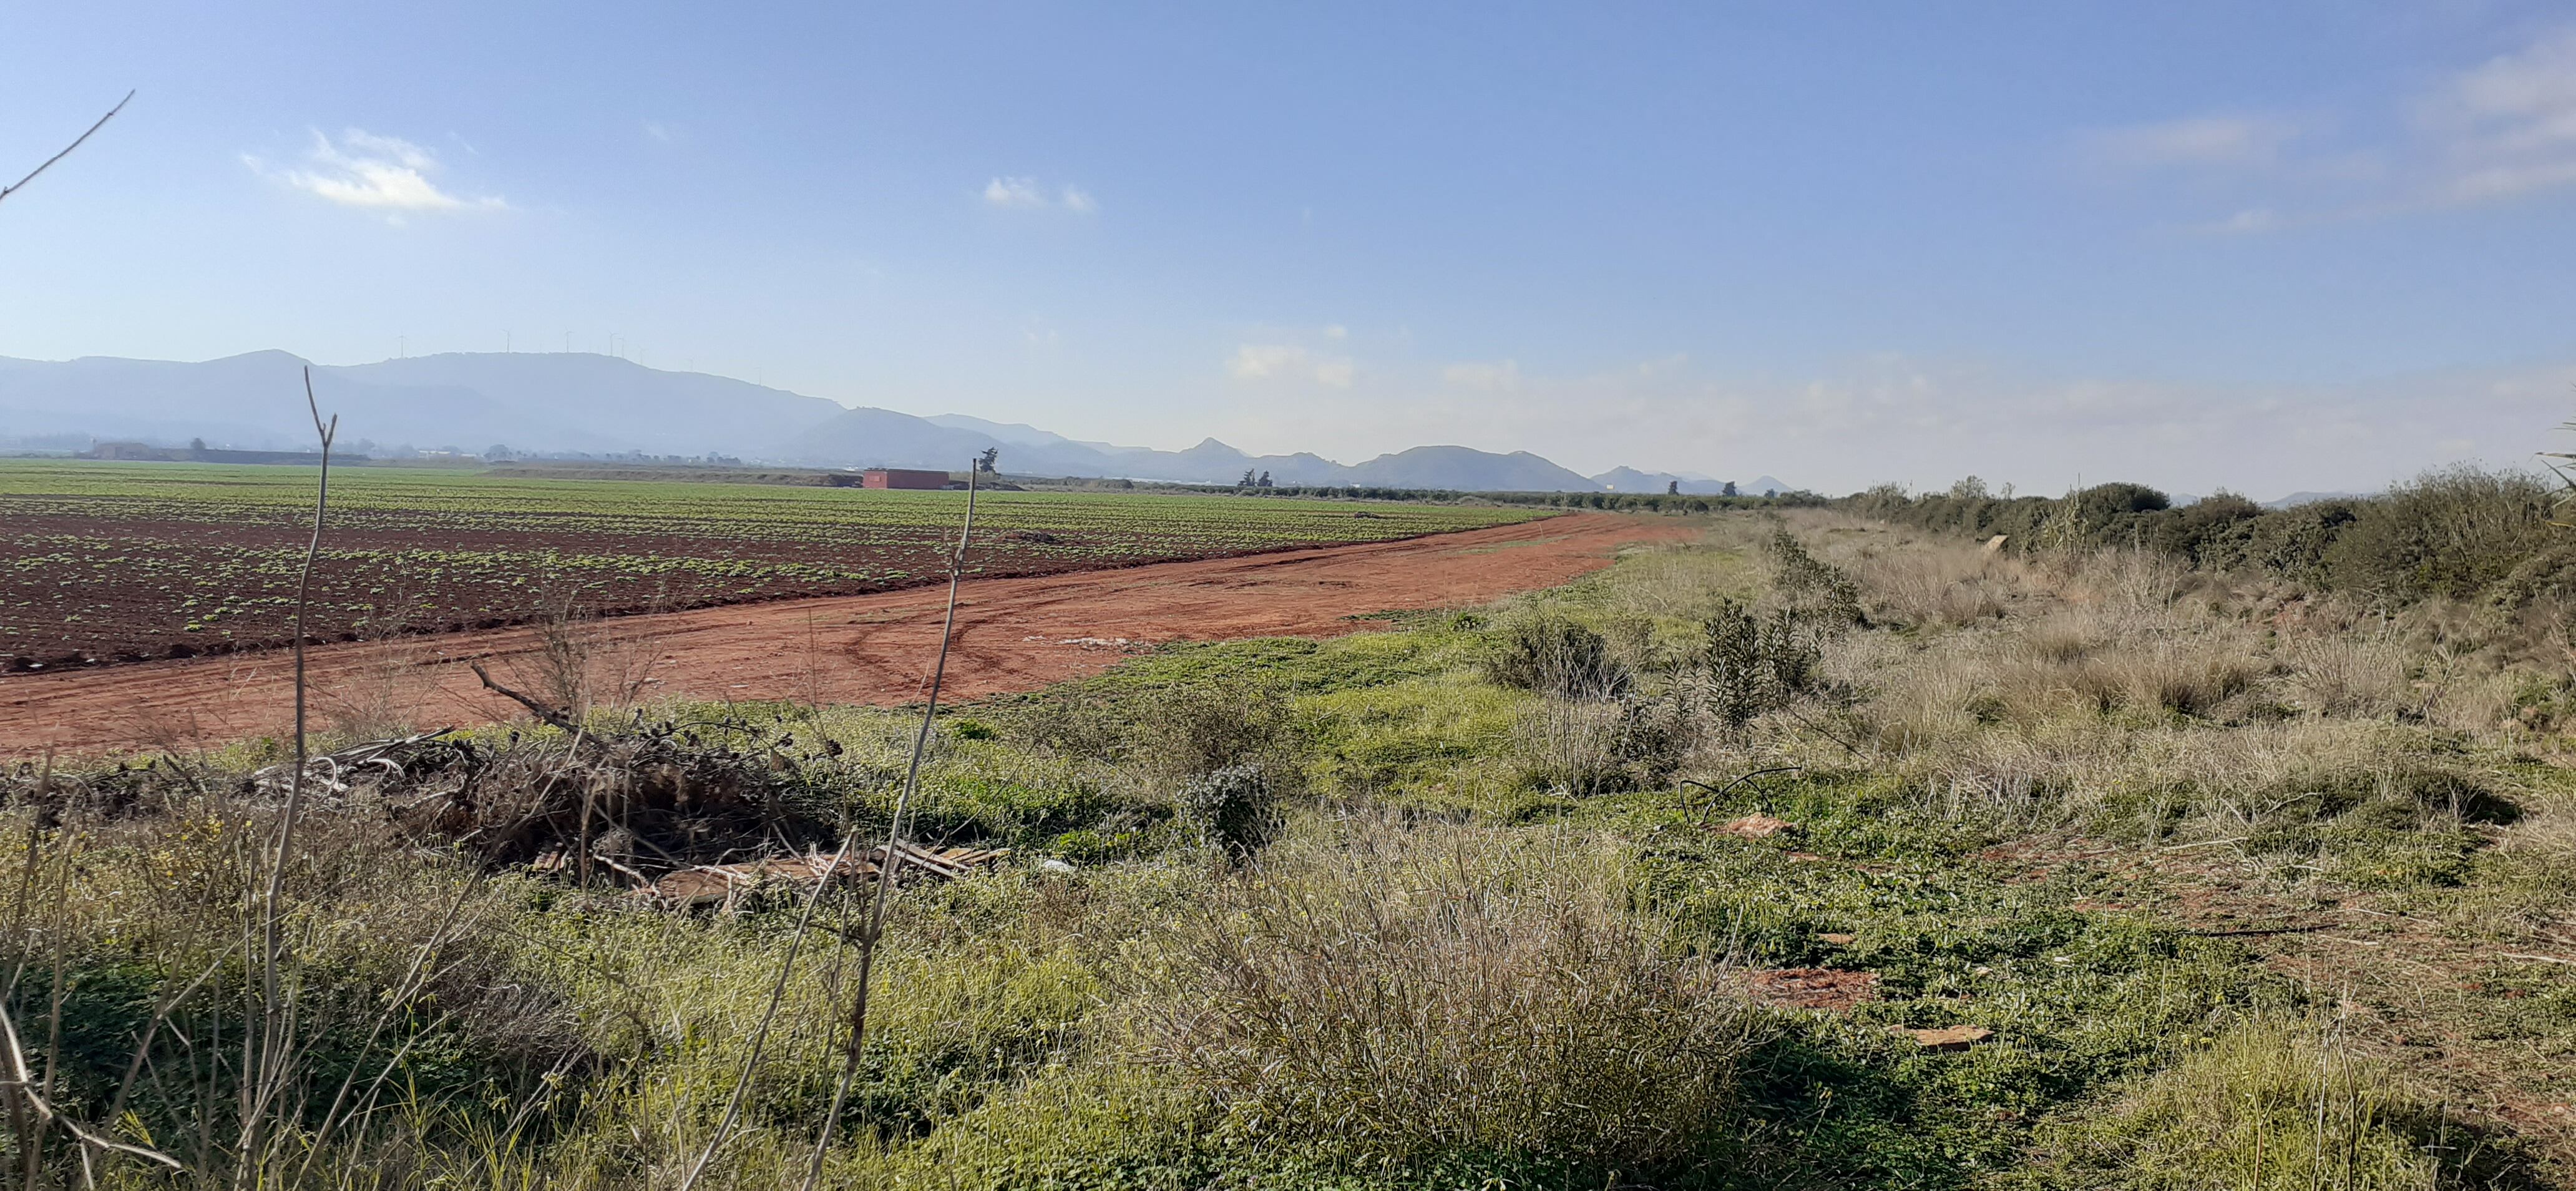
column 579, row 403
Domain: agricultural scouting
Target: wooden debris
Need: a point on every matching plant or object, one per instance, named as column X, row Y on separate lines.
column 723, row 884
column 1993, row 546
column 1757, row 826
column 1949, row 1038
column 1838, row 938
column 336, row 772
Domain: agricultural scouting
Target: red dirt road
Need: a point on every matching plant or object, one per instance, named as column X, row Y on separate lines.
column 1012, row 635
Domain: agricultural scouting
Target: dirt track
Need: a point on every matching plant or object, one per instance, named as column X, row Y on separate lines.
column 1012, row 635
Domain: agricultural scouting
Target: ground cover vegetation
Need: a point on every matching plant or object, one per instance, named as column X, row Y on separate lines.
column 114, row 562
column 1819, row 853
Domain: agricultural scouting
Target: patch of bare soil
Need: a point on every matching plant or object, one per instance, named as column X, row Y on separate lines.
column 1012, row 635
column 1811, row 988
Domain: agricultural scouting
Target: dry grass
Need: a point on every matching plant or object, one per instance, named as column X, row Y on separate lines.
column 2360, row 675
column 583, row 663
column 1569, row 745
column 1938, row 585
column 1407, row 989
column 2117, row 687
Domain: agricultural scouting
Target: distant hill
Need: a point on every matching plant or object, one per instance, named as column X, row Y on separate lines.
column 881, row 437
column 1015, row 433
column 576, row 403
column 1629, row 479
column 563, row 402
column 1467, row 471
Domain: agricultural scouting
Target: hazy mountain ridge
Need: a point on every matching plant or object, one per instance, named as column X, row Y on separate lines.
column 1629, row 479
column 577, row 402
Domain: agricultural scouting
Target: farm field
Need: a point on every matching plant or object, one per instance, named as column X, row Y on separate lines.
column 1012, row 635
column 111, row 562
column 1778, row 853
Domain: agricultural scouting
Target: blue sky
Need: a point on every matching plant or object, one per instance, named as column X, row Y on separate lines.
column 2205, row 245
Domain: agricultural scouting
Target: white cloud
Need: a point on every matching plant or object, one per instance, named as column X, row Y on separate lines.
column 1283, row 361
column 380, row 173
column 658, row 131
column 1500, row 377
column 2511, row 180
column 2508, row 127
column 2527, row 99
column 1337, row 331
column 2234, row 140
column 2501, row 129
column 1014, row 192
column 1027, row 193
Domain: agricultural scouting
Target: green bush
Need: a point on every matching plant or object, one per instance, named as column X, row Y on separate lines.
column 1557, row 657
column 2461, row 533
column 1748, row 665
column 1229, row 809
column 2452, row 533
column 1815, row 591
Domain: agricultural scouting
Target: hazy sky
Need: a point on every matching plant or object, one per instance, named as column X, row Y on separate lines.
column 2259, row 246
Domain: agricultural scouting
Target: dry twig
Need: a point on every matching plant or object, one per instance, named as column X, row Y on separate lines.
column 892, row 858
column 269, row 1075
column 13, row 188
column 895, row 851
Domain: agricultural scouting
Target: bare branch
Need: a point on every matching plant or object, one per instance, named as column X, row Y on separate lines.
column 892, row 858
column 275, row 1033
column 67, row 149
column 895, row 850
column 543, row 712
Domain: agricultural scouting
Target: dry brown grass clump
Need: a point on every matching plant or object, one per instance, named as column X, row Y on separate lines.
column 1401, row 990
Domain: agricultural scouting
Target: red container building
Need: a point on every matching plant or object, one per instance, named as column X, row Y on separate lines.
column 898, row 477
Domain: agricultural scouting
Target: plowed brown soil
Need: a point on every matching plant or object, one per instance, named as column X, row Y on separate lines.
column 1012, row 635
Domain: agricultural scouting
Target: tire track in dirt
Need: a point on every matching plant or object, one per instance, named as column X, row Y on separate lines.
column 1013, row 635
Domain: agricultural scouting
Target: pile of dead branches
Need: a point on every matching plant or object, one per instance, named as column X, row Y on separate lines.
column 621, row 808
column 650, row 800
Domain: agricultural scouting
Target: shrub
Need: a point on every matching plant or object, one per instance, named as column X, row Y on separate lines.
column 1229, row 809
column 1174, row 730
column 2451, row 533
column 1557, row 657
column 1400, row 992
column 1814, row 591
column 2102, row 502
column 1596, row 747
column 1195, row 728
column 1748, row 665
